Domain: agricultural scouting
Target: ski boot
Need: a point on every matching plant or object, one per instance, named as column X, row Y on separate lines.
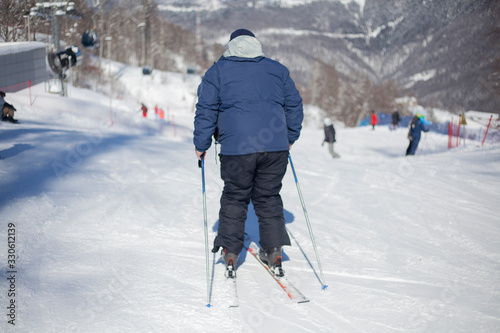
column 230, row 259
column 10, row 119
column 271, row 256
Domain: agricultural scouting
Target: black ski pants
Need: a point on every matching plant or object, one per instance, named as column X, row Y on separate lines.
column 255, row 177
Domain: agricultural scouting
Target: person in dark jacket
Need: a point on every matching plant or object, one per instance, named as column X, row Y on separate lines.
column 258, row 113
column 7, row 109
column 396, row 118
column 415, row 129
column 330, row 136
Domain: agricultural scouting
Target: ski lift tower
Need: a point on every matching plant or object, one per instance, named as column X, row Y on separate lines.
column 53, row 11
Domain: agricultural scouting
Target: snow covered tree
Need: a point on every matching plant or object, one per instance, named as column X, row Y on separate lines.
column 384, row 95
column 356, row 96
column 326, row 85
column 13, row 23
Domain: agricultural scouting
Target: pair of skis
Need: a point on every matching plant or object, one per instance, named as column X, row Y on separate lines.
column 292, row 292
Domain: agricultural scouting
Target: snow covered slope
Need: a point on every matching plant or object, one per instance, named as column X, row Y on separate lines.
column 109, row 234
column 194, row 5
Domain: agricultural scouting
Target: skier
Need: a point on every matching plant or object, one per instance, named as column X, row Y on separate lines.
column 144, row 110
column 330, row 136
column 258, row 112
column 157, row 112
column 373, row 119
column 395, row 119
column 415, row 129
column 7, row 109
column 2, row 100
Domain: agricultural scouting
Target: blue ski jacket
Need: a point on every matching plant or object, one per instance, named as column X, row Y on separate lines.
column 416, row 128
column 253, row 103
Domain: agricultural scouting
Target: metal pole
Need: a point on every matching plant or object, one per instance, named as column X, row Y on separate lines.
column 56, row 33
column 142, row 25
column 205, row 224
column 111, row 82
column 29, row 34
column 308, row 223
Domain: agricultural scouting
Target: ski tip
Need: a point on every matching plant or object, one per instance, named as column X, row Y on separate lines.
column 324, row 287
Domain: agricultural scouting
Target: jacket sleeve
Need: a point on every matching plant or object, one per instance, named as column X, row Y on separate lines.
column 205, row 120
column 422, row 127
column 294, row 112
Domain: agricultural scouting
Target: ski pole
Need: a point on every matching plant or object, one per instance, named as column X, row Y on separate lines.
column 201, row 164
column 308, row 223
column 421, row 151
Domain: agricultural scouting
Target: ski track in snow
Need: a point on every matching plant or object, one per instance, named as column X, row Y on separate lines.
column 110, row 234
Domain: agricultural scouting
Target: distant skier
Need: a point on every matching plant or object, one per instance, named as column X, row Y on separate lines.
column 7, row 109
column 395, row 119
column 373, row 119
column 415, row 129
column 157, row 112
column 144, row 110
column 330, row 136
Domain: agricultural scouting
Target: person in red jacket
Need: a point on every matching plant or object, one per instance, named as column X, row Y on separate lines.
column 144, row 110
column 374, row 119
column 157, row 112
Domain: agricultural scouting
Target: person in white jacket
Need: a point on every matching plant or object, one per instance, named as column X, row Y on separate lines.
column 330, row 136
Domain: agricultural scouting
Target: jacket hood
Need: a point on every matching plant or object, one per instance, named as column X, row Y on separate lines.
column 244, row 47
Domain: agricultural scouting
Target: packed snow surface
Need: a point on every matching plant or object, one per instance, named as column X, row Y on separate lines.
column 18, row 47
column 107, row 212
